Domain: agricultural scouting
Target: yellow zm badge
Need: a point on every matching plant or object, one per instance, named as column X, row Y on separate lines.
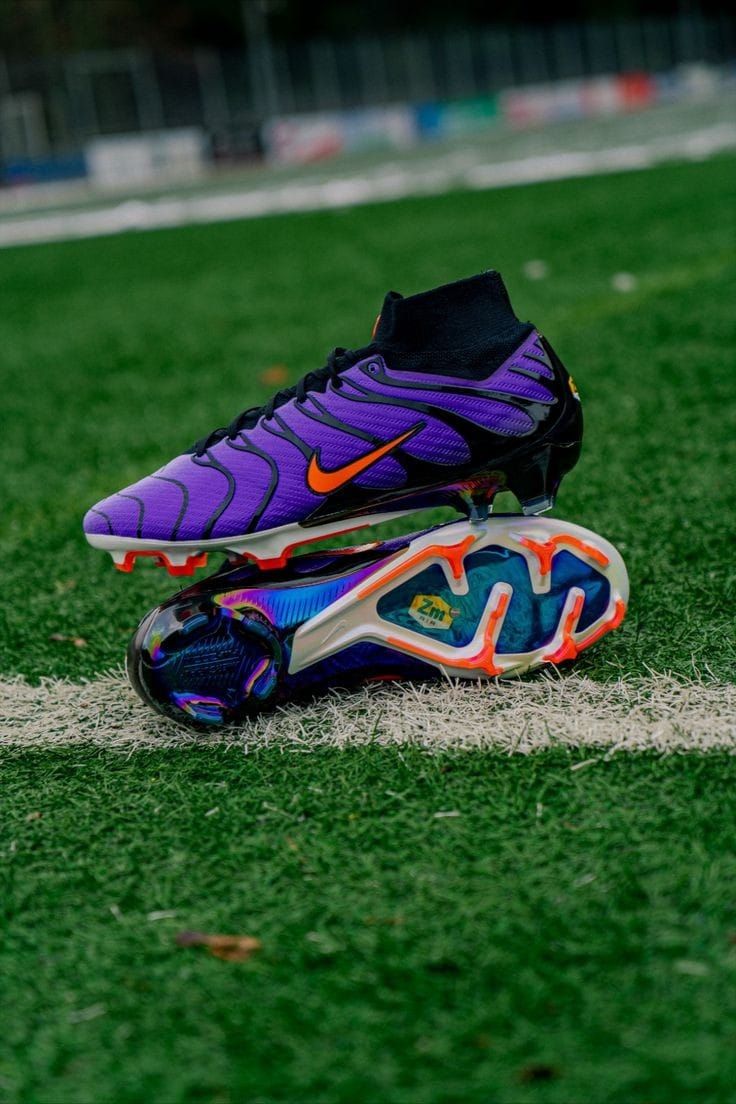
column 431, row 611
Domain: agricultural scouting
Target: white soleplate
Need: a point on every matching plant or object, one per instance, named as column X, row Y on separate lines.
column 268, row 547
column 354, row 618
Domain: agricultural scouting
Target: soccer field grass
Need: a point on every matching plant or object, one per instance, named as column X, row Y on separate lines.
column 567, row 934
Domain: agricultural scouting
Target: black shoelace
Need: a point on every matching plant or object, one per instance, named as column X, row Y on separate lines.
column 337, row 361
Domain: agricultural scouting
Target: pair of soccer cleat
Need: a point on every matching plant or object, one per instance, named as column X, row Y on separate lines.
column 453, row 400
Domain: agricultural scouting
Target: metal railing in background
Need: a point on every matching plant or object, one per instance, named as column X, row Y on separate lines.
column 54, row 106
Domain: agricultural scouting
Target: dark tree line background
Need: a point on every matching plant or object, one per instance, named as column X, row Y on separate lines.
column 35, row 27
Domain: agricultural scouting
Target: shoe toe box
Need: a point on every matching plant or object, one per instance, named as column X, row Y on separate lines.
column 175, row 503
column 118, row 515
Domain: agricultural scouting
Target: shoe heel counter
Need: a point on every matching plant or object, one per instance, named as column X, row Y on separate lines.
column 536, row 483
column 568, row 429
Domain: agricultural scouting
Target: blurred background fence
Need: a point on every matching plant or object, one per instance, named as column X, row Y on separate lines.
column 226, row 104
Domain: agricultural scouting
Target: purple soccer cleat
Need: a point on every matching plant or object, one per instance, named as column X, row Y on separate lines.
column 453, row 400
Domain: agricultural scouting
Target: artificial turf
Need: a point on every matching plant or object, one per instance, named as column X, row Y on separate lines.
column 451, row 928
column 567, row 937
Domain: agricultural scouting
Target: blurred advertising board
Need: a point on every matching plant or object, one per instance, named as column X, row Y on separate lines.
column 446, row 120
column 123, row 160
column 43, row 170
column 578, row 99
column 299, row 139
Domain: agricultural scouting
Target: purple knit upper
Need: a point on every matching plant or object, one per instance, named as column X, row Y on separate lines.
column 259, row 480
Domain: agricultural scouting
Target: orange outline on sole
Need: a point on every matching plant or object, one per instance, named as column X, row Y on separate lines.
column 454, row 554
column 570, row 649
column 482, row 660
column 545, row 550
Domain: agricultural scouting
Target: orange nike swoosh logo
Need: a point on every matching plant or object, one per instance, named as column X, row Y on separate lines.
column 324, row 482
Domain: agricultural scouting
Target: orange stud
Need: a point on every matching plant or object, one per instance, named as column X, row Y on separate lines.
column 191, row 564
column 568, row 649
column 607, row 626
column 162, row 560
column 127, row 564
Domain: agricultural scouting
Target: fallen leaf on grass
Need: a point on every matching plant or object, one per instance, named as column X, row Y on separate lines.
column 61, row 586
column 77, row 641
column 274, row 374
column 231, row 948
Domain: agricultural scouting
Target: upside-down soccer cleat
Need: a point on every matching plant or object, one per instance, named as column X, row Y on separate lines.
column 468, row 600
column 453, row 400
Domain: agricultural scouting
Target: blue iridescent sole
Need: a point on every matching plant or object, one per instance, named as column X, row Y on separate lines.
column 468, row 600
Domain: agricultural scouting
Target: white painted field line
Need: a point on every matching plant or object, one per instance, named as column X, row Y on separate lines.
column 658, row 712
column 387, row 182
